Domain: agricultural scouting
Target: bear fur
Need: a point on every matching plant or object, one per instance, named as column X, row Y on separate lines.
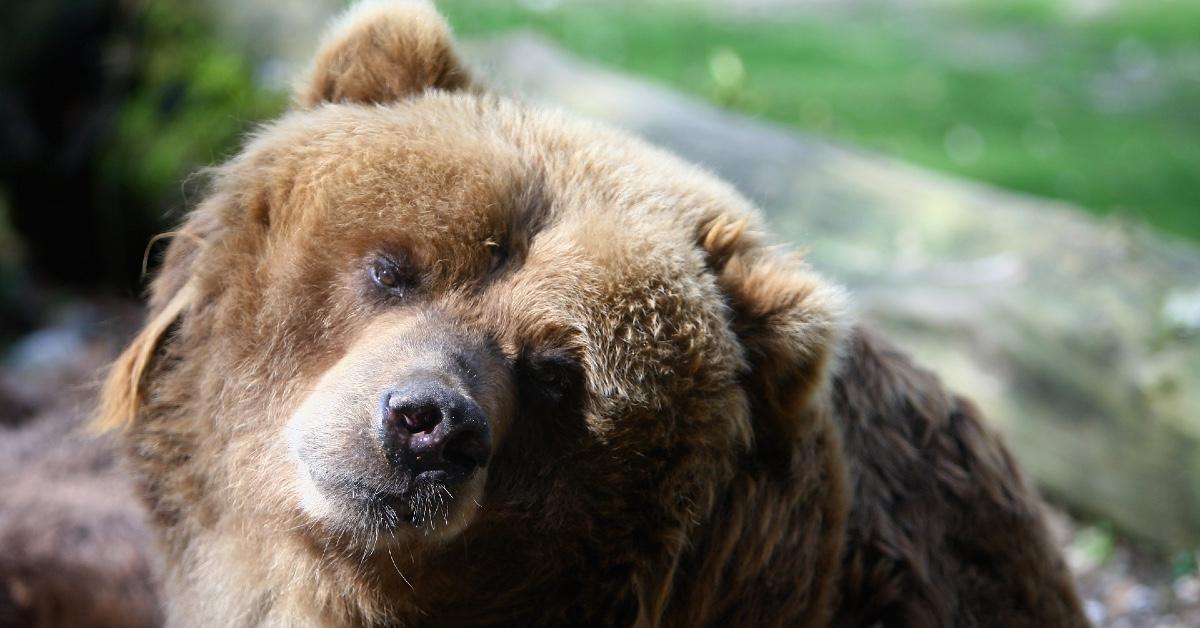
column 685, row 429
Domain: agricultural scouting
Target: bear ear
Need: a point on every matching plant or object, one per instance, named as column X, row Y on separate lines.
column 173, row 293
column 382, row 51
column 122, row 390
column 788, row 320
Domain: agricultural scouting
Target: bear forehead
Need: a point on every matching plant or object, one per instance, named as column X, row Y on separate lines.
column 461, row 178
column 483, row 165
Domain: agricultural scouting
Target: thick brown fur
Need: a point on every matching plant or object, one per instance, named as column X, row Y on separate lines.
column 944, row 531
column 715, row 465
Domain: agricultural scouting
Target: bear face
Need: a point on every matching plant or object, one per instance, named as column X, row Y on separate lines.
column 414, row 320
column 467, row 284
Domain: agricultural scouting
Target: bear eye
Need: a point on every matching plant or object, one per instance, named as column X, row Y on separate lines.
column 552, row 376
column 387, row 274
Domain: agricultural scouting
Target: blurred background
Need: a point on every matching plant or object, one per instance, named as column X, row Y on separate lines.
column 1010, row 188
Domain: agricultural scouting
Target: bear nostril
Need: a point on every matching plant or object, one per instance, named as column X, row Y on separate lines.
column 415, row 417
column 467, row 448
column 422, row 419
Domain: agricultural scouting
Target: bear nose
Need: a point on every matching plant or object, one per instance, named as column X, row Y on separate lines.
column 434, row 429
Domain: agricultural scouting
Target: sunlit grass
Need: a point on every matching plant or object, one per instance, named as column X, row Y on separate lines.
column 1099, row 109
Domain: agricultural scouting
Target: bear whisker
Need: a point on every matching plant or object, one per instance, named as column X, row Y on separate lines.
column 398, row 572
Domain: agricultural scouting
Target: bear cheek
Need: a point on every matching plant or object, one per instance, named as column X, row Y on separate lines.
column 316, row 435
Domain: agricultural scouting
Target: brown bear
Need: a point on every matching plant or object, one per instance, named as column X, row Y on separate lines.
column 428, row 356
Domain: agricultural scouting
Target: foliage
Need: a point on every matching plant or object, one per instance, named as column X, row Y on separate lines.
column 195, row 97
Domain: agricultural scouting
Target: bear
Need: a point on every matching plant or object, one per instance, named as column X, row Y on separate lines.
column 425, row 355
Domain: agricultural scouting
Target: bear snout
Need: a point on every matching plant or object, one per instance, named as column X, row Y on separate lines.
column 402, row 428
column 433, row 430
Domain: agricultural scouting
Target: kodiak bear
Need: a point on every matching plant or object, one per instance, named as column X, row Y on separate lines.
column 428, row 356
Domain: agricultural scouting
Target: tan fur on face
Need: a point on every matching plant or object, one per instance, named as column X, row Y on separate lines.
column 704, row 464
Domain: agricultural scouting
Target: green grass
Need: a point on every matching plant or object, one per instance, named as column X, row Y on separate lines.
column 1100, row 110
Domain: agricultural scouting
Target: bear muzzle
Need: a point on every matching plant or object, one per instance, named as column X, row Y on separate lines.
column 400, row 431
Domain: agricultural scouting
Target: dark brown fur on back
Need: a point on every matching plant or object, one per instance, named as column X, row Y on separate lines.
column 944, row 530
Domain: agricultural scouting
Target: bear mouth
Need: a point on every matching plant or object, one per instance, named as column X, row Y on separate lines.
column 380, row 498
column 390, row 510
column 426, row 501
